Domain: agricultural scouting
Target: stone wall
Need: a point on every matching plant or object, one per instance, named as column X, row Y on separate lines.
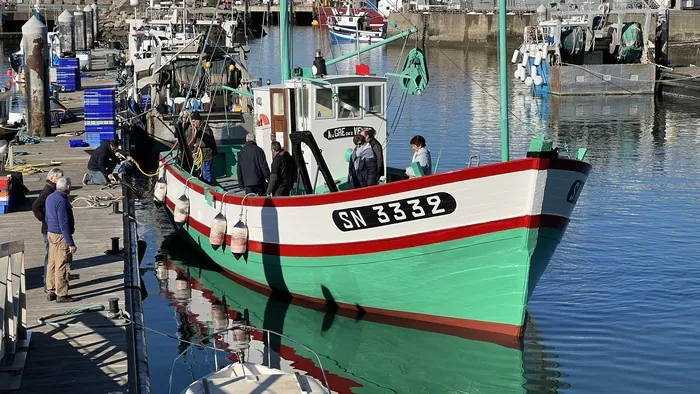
column 459, row 29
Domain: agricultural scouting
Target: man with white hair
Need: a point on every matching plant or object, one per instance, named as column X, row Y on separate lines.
column 39, row 210
column 61, row 226
column 253, row 172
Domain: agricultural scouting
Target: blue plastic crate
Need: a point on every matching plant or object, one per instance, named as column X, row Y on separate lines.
column 68, row 61
column 102, row 92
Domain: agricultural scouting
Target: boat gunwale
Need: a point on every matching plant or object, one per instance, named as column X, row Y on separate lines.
column 400, row 186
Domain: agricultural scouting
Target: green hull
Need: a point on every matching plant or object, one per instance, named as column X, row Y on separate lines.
column 475, row 284
column 367, row 357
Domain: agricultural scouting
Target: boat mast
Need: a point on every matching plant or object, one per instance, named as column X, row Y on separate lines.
column 502, row 64
column 284, row 40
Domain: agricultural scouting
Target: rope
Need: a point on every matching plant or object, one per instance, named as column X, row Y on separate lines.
column 75, row 311
column 96, row 201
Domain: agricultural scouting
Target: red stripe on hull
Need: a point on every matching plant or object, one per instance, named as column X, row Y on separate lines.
column 388, row 244
column 389, row 188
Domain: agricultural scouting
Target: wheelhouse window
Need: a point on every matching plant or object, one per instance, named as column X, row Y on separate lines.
column 375, row 102
column 324, row 103
column 303, row 102
column 277, row 104
column 349, row 102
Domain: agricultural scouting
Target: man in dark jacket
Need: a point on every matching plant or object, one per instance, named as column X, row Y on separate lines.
column 253, row 172
column 362, row 171
column 204, row 140
column 61, row 226
column 39, row 209
column 369, row 134
column 283, row 172
column 102, row 162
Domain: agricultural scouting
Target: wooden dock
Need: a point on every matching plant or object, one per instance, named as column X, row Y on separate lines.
column 72, row 359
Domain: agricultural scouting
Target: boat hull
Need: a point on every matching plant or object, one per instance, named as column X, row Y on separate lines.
column 340, row 34
column 465, row 272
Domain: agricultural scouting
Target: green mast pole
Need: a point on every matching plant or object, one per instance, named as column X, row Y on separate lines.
column 284, row 40
column 502, row 64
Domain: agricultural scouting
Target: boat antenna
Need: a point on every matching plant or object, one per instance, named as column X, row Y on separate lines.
column 502, row 67
column 284, row 40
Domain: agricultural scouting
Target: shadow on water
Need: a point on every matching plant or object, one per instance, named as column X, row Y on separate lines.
column 357, row 355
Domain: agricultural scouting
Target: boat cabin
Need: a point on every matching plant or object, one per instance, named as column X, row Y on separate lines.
column 334, row 111
column 328, row 112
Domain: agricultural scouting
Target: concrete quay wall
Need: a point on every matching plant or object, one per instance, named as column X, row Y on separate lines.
column 460, row 29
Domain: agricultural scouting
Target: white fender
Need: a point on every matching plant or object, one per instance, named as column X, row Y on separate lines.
column 526, row 57
column 538, row 80
column 182, row 210
column 160, row 191
column 533, row 72
column 538, row 58
column 239, row 239
column 516, row 53
column 528, row 81
column 217, row 234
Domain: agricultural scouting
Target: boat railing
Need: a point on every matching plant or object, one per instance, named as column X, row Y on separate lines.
column 242, row 338
column 14, row 337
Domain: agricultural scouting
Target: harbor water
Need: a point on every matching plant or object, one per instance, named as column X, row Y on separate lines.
column 615, row 312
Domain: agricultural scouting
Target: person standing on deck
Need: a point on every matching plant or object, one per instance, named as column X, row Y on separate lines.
column 203, row 140
column 39, row 210
column 362, row 169
column 421, row 156
column 61, row 226
column 102, row 162
column 283, row 172
column 369, row 133
column 253, row 172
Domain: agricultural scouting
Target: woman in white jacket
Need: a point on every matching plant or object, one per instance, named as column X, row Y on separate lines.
column 421, row 156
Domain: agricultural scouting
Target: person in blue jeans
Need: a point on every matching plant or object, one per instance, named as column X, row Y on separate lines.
column 39, row 210
column 102, row 162
column 203, row 140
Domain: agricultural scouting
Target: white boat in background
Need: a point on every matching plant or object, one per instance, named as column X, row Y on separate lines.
column 354, row 26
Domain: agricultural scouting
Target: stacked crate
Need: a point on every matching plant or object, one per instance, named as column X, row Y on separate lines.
column 5, row 194
column 100, row 115
column 68, row 74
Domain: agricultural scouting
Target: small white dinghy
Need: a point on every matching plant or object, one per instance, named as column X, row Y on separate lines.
column 254, row 378
column 248, row 377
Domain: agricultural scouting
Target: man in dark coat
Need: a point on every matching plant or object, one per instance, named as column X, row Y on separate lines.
column 362, row 170
column 253, row 172
column 205, row 141
column 369, row 134
column 283, row 172
column 102, row 162
column 39, row 209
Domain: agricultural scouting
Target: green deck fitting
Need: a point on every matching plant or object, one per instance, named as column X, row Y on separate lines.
column 540, row 144
column 209, row 196
column 581, row 153
column 417, row 169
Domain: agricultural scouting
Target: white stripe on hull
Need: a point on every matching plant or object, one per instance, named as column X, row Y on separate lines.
column 479, row 200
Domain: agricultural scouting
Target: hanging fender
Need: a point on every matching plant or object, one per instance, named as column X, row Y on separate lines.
column 217, row 234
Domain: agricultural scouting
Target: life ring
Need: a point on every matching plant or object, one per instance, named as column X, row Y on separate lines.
column 263, row 120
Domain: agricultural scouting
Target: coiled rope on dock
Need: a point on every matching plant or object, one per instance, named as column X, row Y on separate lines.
column 93, row 201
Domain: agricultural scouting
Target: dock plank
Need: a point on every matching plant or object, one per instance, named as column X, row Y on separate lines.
column 89, row 359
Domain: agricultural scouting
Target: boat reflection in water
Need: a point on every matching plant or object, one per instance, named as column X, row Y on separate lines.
column 358, row 356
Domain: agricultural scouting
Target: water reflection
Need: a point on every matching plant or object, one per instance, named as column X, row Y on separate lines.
column 359, row 356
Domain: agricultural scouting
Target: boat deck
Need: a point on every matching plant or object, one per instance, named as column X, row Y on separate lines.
column 230, row 185
column 71, row 359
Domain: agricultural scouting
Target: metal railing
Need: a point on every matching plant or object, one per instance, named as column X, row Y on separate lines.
column 14, row 338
